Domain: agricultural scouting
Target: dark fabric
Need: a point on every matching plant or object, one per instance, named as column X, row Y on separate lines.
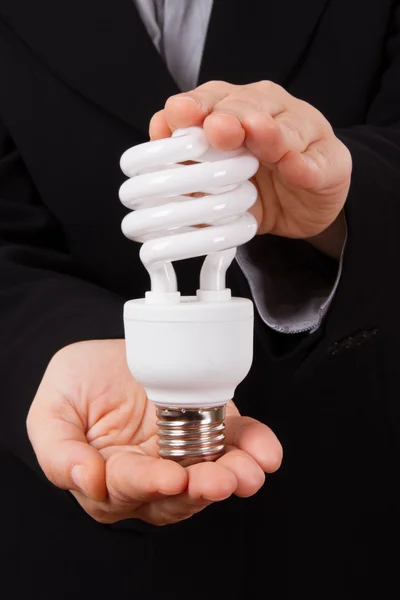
column 80, row 80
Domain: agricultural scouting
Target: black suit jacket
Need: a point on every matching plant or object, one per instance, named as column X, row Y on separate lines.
column 79, row 83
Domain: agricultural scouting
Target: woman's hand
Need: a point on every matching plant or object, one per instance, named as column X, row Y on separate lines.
column 94, row 433
column 305, row 170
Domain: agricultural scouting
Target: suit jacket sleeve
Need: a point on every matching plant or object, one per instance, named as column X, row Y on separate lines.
column 45, row 301
column 369, row 276
column 363, row 299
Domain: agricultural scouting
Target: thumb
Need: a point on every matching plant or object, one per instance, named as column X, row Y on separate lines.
column 57, row 435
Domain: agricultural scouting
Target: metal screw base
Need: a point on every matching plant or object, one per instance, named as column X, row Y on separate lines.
column 191, row 435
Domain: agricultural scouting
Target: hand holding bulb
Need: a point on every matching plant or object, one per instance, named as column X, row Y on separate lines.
column 305, row 169
column 94, row 433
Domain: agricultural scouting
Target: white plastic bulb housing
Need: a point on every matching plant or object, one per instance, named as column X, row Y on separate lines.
column 189, row 353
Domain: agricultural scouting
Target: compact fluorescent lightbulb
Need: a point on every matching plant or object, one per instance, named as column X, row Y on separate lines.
column 189, row 353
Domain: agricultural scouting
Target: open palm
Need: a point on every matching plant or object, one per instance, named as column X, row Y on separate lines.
column 94, row 433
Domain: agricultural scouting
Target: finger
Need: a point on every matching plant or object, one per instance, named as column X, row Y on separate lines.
column 135, row 478
column 58, row 439
column 250, row 476
column 256, row 439
column 208, row 482
column 191, row 108
column 225, row 124
column 224, row 131
column 158, row 128
column 271, row 138
column 325, row 166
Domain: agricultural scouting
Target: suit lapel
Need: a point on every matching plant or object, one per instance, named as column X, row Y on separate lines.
column 98, row 47
column 101, row 48
column 251, row 40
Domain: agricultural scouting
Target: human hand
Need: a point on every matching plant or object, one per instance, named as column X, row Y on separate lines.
column 305, row 170
column 94, row 433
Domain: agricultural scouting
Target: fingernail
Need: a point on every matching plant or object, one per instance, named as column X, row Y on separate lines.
column 78, row 477
column 168, row 493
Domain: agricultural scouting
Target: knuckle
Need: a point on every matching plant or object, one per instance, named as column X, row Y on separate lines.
column 118, row 490
column 115, row 465
column 291, row 123
column 243, row 100
column 181, row 516
column 322, row 155
column 167, row 517
column 301, row 130
column 158, row 521
column 266, row 86
column 313, row 114
column 164, row 517
column 118, row 496
column 240, row 100
column 215, row 84
column 305, row 106
column 102, row 516
column 152, row 516
column 275, row 132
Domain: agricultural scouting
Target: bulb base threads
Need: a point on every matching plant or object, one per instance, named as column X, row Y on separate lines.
column 190, row 435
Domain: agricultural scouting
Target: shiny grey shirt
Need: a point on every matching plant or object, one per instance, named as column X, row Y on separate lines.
column 291, row 283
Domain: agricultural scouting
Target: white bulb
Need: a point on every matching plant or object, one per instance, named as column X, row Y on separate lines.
column 189, row 353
